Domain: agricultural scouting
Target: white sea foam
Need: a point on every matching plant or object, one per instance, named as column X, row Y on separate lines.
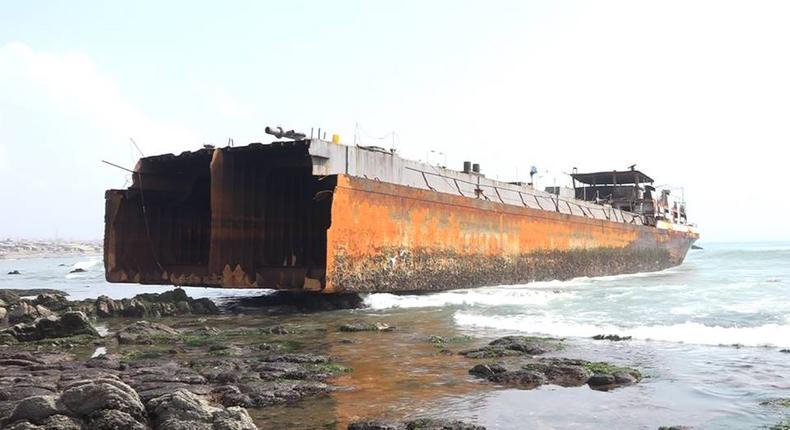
column 87, row 264
column 495, row 296
column 688, row 332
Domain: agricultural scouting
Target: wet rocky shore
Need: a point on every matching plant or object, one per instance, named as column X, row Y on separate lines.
column 167, row 361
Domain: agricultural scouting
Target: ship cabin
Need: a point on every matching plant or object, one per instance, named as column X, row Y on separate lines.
column 627, row 190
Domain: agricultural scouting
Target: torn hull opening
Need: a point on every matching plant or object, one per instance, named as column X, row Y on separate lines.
column 239, row 217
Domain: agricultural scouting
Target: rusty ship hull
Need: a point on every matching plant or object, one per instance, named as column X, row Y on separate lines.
column 316, row 216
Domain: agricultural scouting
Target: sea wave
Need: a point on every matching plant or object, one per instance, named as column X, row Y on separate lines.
column 689, row 332
column 478, row 297
column 87, row 264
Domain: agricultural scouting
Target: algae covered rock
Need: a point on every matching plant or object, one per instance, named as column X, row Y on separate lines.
column 509, row 346
column 559, row 371
column 365, row 326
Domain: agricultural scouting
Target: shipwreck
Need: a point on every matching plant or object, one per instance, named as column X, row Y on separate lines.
column 313, row 215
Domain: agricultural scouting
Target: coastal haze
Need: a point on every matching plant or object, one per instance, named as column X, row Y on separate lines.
column 693, row 93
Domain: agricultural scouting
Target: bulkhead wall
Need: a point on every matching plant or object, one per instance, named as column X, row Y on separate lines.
column 252, row 216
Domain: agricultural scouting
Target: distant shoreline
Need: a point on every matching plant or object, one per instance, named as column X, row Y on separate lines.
column 27, row 256
column 25, row 249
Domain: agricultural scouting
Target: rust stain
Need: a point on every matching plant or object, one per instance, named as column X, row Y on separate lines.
column 388, row 237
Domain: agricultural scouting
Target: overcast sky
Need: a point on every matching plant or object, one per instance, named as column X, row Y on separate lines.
column 697, row 94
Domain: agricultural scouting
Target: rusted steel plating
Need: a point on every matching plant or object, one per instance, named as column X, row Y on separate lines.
column 309, row 215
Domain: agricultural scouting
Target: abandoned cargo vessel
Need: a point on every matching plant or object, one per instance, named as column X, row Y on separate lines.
column 313, row 215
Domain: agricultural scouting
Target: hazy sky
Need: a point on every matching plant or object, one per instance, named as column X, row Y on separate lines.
column 697, row 94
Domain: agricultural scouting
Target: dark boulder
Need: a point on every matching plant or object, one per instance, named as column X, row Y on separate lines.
column 71, row 323
column 487, row 370
column 521, row 378
column 295, row 301
column 562, row 371
column 14, row 272
column 612, row 337
column 513, row 346
column 53, row 302
column 440, row 424
column 145, row 332
column 601, row 380
column 559, row 371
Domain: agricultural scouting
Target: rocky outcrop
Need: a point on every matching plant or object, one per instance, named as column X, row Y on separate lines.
column 183, row 410
column 38, row 394
column 25, row 312
column 559, row 371
column 421, row 424
column 509, row 346
column 145, row 332
column 13, row 295
column 69, row 324
column 170, row 303
column 269, row 380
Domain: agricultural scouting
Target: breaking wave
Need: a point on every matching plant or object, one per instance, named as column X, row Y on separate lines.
column 87, row 265
column 478, row 297
column 689, row 332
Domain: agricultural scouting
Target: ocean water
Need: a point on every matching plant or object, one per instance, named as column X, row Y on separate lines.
column 726, row 294
column 708, row 336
